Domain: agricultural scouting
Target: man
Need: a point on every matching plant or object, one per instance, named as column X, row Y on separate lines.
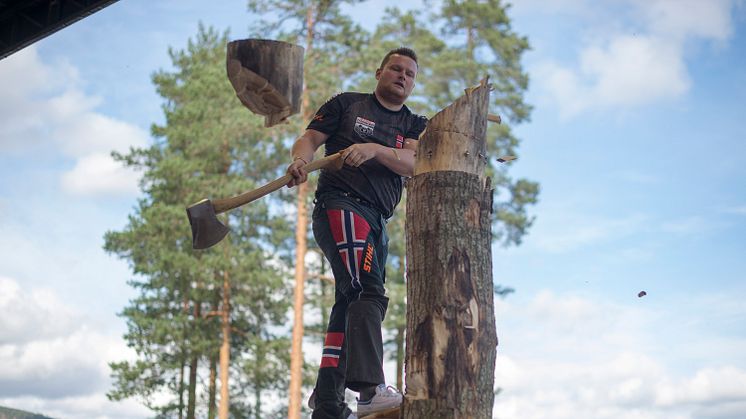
column 376, row 135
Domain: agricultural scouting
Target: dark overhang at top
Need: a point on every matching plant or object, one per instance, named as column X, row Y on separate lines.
column 23, row 22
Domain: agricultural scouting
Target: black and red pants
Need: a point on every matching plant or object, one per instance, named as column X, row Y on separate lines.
column 352, row 235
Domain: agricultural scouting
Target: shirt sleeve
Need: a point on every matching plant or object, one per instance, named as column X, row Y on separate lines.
column 417, row 127
column 327, row 118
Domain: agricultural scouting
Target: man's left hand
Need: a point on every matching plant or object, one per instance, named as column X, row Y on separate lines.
column 357, row 154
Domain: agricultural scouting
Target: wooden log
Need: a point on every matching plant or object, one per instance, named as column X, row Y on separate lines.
column 392, row 413
column 451, row 335
column 267, row 76
column 455, row 137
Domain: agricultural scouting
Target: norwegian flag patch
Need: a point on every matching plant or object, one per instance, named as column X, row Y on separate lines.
column 332, row 349
column 350, row 231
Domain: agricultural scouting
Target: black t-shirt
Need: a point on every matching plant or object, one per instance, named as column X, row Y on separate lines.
column 350, row 118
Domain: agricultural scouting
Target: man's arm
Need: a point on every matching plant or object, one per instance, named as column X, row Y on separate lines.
column 398, row 160
column 303, row 149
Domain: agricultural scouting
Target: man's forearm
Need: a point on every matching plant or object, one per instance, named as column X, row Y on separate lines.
column 398, row 160
column 305, row 146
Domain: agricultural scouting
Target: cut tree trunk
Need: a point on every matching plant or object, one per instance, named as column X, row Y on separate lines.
column 267, row 76
column 451, row 336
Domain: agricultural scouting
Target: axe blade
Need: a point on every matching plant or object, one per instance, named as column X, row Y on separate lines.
column 207, row 230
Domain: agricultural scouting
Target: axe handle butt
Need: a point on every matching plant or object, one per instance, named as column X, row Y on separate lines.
column 227, row 204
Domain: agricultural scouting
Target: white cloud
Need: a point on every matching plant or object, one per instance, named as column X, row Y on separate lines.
column 97, row 174
column 573, row 356
column 31, row 316
column 49, row 351
column 79, row 407
column 45, row 110
column 688, row 18
column 566, row 231
column 632, row 58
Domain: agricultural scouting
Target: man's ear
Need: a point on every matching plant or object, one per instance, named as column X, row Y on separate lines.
column 378, row 73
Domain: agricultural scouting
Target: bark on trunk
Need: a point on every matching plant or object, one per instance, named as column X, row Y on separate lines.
column 225, row 348
column 212, row 408
column 301, row 232
column 400, row 357
column 267, row 77
column 296, row 351
column 193, row 364
column 451, row 336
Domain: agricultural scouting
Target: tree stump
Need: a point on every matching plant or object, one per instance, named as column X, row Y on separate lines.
column 267, row 77
column 451, row 336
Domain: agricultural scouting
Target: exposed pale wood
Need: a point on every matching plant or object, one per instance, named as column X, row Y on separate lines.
column 386, row 414
column 494, row 118
column 506, row 159
column 454, row 138
column 267, row 76
column 451, row 335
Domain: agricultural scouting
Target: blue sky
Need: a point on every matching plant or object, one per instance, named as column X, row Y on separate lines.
column 637, row 139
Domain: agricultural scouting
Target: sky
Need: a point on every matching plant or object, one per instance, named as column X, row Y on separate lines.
column 637, row 139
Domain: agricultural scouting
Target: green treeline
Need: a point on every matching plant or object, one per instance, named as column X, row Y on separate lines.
column 211, row 146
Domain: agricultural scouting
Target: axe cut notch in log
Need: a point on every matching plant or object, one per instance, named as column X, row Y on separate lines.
column 207, row 230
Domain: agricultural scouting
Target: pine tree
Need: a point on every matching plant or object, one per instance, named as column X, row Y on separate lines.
column 329, row 38
column 193, row 304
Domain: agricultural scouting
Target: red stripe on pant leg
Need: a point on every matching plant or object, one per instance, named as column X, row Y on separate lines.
column 334, row 339
column 329, row 362
column 332, row 349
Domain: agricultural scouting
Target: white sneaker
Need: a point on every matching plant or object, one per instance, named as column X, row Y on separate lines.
column 352, row 416
column 386, row 397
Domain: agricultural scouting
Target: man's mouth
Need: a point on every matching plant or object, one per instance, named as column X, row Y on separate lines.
column 400, row 84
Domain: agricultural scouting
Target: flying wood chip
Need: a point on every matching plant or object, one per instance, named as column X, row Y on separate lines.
column 505, row 159
column 641, row 294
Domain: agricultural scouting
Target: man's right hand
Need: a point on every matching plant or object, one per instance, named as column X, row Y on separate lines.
column 296, row 171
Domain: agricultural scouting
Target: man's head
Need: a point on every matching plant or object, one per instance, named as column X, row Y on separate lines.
column 396, row 76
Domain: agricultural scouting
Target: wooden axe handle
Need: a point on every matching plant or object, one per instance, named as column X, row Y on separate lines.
column 227, row 204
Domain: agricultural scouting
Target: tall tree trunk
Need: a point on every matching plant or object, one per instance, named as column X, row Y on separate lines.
column 211, row 406
column 400, row 356
column 225, row 347
column 451, row 336
column 301, row 232
column 258, row 397
column 181, row 387
column 193, row 364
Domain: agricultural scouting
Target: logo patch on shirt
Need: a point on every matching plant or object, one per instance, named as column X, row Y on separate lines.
column 399, row 141
column 364, row 127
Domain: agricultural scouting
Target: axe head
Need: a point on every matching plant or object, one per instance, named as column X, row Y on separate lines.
column 207, row 230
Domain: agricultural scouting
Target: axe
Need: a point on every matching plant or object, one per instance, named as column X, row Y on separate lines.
column 207, row 230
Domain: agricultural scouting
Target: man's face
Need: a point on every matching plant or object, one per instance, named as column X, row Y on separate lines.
column 396, row 78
